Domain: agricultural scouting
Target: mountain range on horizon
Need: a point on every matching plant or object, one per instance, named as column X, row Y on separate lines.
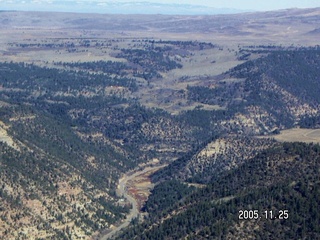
column 144, row 7
column 154, row 126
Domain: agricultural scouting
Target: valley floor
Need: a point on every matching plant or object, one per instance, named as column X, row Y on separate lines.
column 299, row 135
column 128, row 188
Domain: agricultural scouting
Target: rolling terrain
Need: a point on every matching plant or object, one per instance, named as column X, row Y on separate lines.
column 271, row 196
column 159, row 127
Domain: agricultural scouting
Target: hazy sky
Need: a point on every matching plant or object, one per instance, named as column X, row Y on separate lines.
column 155, row 6
column 258, row 4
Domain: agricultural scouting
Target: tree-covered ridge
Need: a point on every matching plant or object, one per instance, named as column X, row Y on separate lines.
column 87, row 119
column 141, row 59
column 80, row 100
column 223, row 94
column 64, row 170
column 283, row 79
column 310, row 121
column 220, row 155
column 91, row 135
column 164, row 196
column 269, row 94
column 42, row 192
column 108, row 67
column 148, row 64
column 40, row 81
column 286, row 177
column 213, row 158
column 273, row 91
column 297, row 71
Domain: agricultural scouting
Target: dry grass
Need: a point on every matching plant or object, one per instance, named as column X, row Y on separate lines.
column 299, row 135
column 4, row 137
column 198, row 69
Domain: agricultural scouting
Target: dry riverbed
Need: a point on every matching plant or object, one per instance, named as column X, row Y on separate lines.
column 134, row 188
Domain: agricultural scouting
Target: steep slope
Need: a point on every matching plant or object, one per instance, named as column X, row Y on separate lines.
column 65, row 143
column 109, row 101
column 276, row 91
column 242, row 173
column 215, row 158
column 54, row 185
column 279, row 188
column 289, row 78
column 273, row 91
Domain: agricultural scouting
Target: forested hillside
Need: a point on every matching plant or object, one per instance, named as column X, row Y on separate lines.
column 216, row 157
column 71, row 141
column 276, row 90
column 231, row 184
column 274, row 195
column 284, row 83
column 70, row 129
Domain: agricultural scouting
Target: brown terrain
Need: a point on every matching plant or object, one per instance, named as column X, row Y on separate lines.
column 285, row 27
column 140, row 186
column 63, row 37
column 299, row 135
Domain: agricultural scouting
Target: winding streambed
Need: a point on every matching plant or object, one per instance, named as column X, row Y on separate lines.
column 123, row 192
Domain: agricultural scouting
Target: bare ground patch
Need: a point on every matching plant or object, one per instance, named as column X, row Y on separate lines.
column 299, row 135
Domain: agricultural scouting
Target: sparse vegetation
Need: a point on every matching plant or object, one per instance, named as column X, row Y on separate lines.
column 83, row 104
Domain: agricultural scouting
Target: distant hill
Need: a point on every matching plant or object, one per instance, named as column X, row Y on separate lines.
column 123, row 7
column 274, row 25
column 88, row 98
